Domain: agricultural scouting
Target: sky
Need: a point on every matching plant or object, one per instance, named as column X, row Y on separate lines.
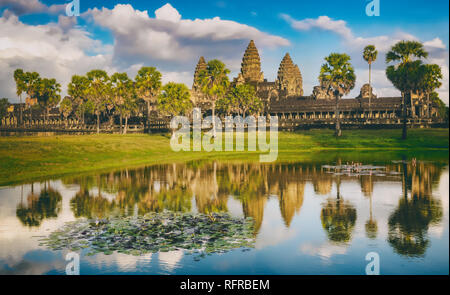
column 171, row 35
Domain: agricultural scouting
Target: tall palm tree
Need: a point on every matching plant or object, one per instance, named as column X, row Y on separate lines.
column 148, row 86
column 408, row 79
column 432, row 75
column 98, row 91
column 370, row 55
column 214, row 83
column 77, row 90
column 48, row 95
column 404, row 52
column 338, row 76
column 123, row 97
column 175, row 99
column 32, row 81
column 19, row 78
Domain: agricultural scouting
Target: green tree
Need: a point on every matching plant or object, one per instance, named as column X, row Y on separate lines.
column 214, row 83
column 77, row 90
column 32, row 81
column 148, row 86
column 98, row 92
column 66, row 107
column 48, row 95
column 431, row 76
column 19, row 78
column 241, row 99
column 338, row 76
column 370, row 56
column 406, row 51
column 174, row 99
column 442, row 107
column 124, row 97
column 407, row 78
column 4, row 104
column 402, row 53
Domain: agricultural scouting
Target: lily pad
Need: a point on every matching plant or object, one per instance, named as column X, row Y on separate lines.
column 197, row 234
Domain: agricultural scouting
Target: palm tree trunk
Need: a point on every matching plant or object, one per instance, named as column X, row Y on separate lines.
column 98, row 122
column 20, row 110
column 126, row 125
column 213, row 118
column 120, row 123
column 82, row 117
column 404, row 131
column 370, row 89
column 428, row 105
column 148, row 115
column 338, row 131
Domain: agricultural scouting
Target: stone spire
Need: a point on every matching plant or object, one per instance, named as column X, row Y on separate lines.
column 251, row 64
column 201, row 65
column 289, row 77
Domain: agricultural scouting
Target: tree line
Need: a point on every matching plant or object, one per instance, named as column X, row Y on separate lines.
column 99, row 94
column 409, row 75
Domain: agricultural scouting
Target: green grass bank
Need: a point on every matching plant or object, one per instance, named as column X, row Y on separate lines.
column 33, row 158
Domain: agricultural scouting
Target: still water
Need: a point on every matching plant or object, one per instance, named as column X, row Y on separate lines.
column 310, row 218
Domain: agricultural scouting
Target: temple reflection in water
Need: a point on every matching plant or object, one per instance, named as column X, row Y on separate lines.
column 208, row 187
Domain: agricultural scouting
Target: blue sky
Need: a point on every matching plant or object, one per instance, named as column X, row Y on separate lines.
column 120, row 37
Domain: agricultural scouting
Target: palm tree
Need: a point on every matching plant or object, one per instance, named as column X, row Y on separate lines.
column 66, row 107
column 123, row 97
column 77, row 90
column 148, row 86
column 20, row 88
column 32, row 81
column 98, row 91
column 338, row 76
column 407, row 78
column 214, row 84
column 405, row 52
column 370, row 55
column 432, row 75
column 174, row 99
column 48, row 95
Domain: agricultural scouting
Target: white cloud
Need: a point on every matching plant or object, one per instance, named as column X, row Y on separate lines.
column 20, row 7
column 166, row 41
column 167, row 12
column 56, row 50
column 174, row 42
column 436, row 42
column 322, row 22
column 354, row 46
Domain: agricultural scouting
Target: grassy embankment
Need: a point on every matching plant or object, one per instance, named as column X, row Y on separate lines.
column 34, row 158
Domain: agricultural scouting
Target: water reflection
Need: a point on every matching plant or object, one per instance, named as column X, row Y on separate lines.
column 395, row 207
column 409, row 223
column 39, row 207
column 171, row 187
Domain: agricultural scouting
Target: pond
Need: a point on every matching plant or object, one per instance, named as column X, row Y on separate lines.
column 307, row 218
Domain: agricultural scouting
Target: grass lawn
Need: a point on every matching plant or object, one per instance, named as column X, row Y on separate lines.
column 33, row 158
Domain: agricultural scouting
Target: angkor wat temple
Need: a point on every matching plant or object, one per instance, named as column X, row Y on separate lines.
column 283, row 98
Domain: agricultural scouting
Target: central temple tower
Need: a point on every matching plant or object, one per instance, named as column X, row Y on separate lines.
column 251, row 65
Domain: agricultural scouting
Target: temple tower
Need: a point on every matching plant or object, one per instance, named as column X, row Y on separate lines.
column 251, row 65
column 201, row 65
column 289, row 77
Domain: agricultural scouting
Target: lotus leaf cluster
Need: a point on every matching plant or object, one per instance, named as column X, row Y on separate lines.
column 198, row 234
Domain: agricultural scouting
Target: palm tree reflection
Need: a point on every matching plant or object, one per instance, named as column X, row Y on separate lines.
column 39, row 207
column 409, row 223
column 338, row 217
